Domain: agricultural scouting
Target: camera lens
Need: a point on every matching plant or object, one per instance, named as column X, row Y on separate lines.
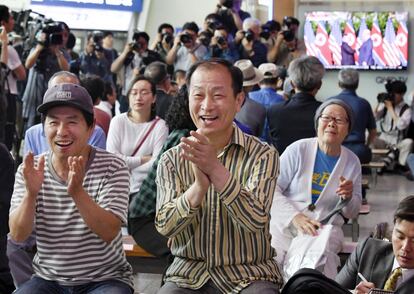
column 249, row 35
column 185, row 38
column 167, row 38
column 221, row 41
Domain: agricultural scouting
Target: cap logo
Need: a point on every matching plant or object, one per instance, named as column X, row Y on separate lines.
column 63, row 95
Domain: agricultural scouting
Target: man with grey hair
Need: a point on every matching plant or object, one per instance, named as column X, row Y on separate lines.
column 348, row 80
column 248, row 42
column 157, row 73
column 293, row 119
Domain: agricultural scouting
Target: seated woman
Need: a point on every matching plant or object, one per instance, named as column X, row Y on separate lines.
column 315, row 173
column 138, row 135
column 141, row 214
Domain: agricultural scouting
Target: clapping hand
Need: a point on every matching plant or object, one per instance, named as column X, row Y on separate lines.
column 76, row 175
column 33, row 173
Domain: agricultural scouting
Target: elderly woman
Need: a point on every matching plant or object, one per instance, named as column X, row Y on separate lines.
column 315, row 173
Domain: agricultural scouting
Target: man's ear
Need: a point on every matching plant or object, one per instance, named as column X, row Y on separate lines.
column 240, row 100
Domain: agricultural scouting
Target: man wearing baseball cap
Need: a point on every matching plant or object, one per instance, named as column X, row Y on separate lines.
column 273, row 78
column 76, row 198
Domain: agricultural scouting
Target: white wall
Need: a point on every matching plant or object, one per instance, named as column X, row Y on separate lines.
column 368, row 88
column 176, row 12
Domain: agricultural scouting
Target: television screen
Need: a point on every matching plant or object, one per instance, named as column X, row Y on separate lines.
column 362, row 40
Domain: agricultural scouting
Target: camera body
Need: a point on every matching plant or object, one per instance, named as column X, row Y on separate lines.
column 97, row 41
column 228, row 3
column 288, row 35
column 221, row 41
column 384, row 96
column 249, row 35
column 53, row 34
column 135, row 46
column 167, row 38
column 185, row 38
column 388, row 95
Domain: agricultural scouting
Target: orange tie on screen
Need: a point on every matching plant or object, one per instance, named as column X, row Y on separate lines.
column 391, row 283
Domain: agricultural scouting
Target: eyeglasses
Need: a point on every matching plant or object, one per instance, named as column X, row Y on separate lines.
column 337, row 120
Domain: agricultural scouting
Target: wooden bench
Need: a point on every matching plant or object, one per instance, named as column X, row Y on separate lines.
column 380, row 152
column 131, row 248
column 141, row 260
column 374, row 166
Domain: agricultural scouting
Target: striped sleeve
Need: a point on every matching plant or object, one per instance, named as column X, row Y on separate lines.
column 249, row 205
column 115, row 192
column 174, row 212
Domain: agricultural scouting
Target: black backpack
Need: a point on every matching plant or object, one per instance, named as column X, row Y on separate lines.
column 310, row 281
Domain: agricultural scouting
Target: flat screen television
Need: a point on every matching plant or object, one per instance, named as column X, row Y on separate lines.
column 362, row 40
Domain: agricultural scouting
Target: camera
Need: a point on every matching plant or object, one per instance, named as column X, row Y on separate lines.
column 135, row 46
column 249, row 35
column 288, row 35
column 213, row 25
column 53, row 32
column 205, row 38
column 228, row 3
column 98, row 47
column 167, row 38
column 97, row 41
column 185, row 38
column 269, row 27
column 384, row 96
column 221, row 41
column 265, row 33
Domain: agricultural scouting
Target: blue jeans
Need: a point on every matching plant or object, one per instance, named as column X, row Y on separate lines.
column 38, row 285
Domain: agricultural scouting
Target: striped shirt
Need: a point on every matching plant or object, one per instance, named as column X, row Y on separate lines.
column 67, row 250
column 226, row 239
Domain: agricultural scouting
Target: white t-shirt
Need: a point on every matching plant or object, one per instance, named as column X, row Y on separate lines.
column 123, row 138
column 12, row 63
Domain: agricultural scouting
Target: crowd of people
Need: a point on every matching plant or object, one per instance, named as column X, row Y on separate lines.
column 209, row 146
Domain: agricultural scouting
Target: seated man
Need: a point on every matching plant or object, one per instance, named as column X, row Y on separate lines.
column 386, row 265
column 76, row 198
column 21, row 254
column 214, row 195
column 285, row 124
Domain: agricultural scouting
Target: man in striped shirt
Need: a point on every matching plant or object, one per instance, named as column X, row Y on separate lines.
column 76, row 198
column 214, row 194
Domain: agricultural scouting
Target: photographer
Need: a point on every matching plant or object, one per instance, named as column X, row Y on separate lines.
column 287, row 46
column 270, row 31
column 92, row 60
column 186, row 49
column 248, row 41
column 164, row 40
column 133, row 60
column 48, row 57
column 231, row 15
column 394, row 116
column 14, row 71
column 220, row 46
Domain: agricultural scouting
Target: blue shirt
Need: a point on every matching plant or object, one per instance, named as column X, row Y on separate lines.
column 35, row 139
column 324, row 165
column 266, row 97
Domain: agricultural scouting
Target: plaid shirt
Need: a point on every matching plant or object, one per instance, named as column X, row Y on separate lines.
column 143, row 202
